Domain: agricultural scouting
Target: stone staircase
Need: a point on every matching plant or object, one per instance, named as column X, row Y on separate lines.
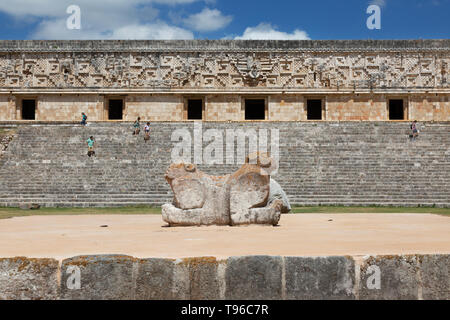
column 321, row 163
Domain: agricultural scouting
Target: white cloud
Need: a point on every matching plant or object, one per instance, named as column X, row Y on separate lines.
column 207, row 20
column 265, row 31
column 100, row 19
column 57, row 8
column 56, row 30
column 154, row 31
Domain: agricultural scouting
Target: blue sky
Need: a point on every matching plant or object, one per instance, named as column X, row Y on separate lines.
column 219, row 19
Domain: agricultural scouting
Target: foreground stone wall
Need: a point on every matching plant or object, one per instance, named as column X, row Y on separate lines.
column 247, row 277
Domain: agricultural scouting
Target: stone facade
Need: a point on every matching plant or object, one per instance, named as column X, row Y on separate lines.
column 354, row 79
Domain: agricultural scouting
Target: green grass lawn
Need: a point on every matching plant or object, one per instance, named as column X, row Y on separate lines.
column 6, row 213
column 337, row 209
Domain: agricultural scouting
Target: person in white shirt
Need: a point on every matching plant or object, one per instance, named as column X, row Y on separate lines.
column 147, row 132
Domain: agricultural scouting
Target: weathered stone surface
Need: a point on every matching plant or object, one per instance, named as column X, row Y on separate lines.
column 248, row 189
column 28, row 279
column 277, row 193
column 204, row 280
column 4, row 142
column 398, row 278
column 155, row 279
column 237, row 199
column 435, row 277
column 199, row 199
column 190, row 278
column 254, row 278
column 322, row 278
column 109, row 277
column 140, row 179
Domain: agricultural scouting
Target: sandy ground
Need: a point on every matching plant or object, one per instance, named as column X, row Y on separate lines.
column 298, row 235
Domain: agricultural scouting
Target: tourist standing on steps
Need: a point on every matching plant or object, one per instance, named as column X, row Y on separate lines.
column 83, row 119
column 91, row 142
column 147, row 132
column 415, row 130
column 137, row 126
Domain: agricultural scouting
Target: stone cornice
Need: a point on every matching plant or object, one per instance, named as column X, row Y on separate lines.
column 80, row 46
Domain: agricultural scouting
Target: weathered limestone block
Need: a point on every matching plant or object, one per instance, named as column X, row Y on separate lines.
column 28, row 279
column 254, row 278
column 321, row 278
column 238, row 199
column 389, row 278
column 155, row 279
column 435, row 276
column 107, row 277
column 204, row 279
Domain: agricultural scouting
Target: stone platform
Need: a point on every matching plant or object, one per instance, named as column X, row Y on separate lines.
column 144, row 236
column 309, row 256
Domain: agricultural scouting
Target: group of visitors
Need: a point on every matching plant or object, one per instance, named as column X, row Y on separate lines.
column 136, row 131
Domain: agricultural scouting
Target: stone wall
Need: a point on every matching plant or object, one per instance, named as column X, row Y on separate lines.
column 287, row 108
column 7, row 107
column 353, row 78
column 228, row 107
column 69, row 107
column 429, row 108
column 358, row 107
column 154, row 107
column 224, row 108
column 212, row 66
column 412, row 277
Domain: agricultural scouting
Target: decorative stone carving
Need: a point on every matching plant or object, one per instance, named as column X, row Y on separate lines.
column 241, row 198
column 233, row 70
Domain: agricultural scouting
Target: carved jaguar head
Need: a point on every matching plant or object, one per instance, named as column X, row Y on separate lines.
column 178, row 170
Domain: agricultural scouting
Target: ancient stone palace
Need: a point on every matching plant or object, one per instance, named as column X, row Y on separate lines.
column 225, row 80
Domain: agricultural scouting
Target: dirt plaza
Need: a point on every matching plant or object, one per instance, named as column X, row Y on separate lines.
column 146, row 236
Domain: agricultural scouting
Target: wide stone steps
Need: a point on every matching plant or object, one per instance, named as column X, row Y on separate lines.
column 348, row 163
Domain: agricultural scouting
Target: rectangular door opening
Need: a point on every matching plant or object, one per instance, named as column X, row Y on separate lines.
column 255, row 109
column 396, row 111
column 29, row 109
column 115, row 109
column 314, row 109
column 195, row 109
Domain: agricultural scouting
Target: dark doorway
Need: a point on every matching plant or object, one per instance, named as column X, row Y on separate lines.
column 396, row 111
column 314, row 109
column 255, row 109
column 195, row 109
column 28, row 109
column 115, row 109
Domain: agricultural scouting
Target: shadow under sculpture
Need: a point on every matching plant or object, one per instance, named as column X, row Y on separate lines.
column 241, row 198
